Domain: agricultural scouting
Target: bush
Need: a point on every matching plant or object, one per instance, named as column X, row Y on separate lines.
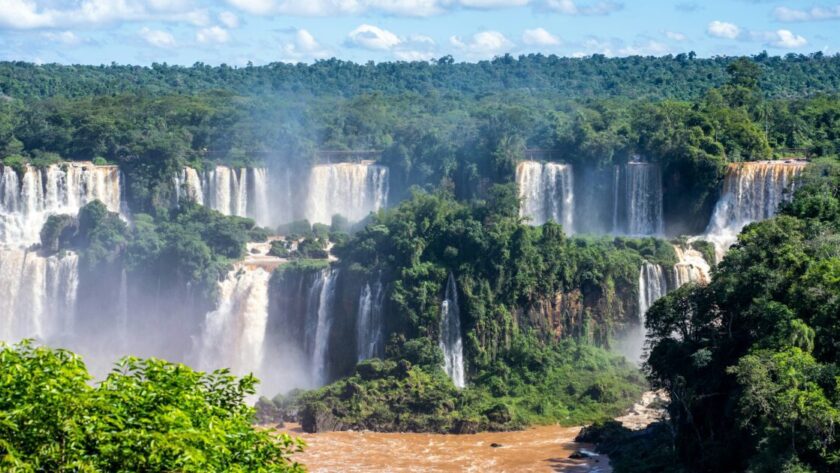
column 147, row 415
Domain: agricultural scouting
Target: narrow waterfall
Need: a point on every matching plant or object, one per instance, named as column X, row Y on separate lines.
column 369, row 330
column 450, row 335
column 27, row 200
column 37, row 295
column 323, row 323
column 233, row 334
column 242, row 192
column 546, row 192
column 752, row 191
column 637, row 199
column 652, row 286
column 348, row 189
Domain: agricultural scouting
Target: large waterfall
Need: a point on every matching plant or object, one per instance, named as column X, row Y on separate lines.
column 369, row 323
column 690, row 267
column 27, row 199
column 232, row 191
column 546, row 192
column 752, row 191
column 450, row 335
column 352, row 190
column 234, row 332
column 637, row 199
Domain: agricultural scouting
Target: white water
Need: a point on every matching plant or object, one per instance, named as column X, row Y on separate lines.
column 37, row 295
column 26, row 201
column 242, row 192
column 546, row 192
column 234, row 333
column 369, row 330
column 751, row 192
column 450, row 335
column 640, row 203
column 690, row 267
column 324, row 320
column 348, row 189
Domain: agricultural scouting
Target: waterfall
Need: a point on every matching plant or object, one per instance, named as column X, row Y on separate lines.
column 37, row 295
column 652, row 286
column 690, row 267
column 546, row 192
column 243, row 192
column 369, row 336
column 27, row 200
column 450, row 335
column 348, row 189
column 323, row 323
column 233, row 333
column 752, row 191
column 637, row 199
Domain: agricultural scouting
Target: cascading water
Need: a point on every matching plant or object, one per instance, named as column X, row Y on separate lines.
column 752, row 191
column 27, row 200
column 234, row 333
column 37, row 295
column 450, row 335
column 369, row 336
column 546, row 192
column 242, row 192
column 637, row 198
column 690, row 267
column 352, row 190
column 323, row 323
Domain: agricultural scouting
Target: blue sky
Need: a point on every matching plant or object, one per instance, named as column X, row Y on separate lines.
column 262, row 31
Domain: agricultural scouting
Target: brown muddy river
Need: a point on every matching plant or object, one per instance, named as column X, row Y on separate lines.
column 539, row 449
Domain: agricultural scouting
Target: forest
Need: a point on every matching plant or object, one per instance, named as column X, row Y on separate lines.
column 750, row 361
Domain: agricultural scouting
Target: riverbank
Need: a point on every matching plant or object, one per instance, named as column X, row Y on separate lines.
column 538, row 449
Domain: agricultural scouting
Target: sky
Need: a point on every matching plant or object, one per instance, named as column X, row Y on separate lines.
column 236, row 32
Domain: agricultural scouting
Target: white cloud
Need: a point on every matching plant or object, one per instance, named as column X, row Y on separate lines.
column 229, row 19
column 617, row 47
column 372, row 37
column 401, row 7
column 27, row 14
column 65, row 37
column 214, row 34
column 256, row 7
column 539, row 37
column 721, row 29
column 416, row 48
column 493, row 3
column 815, row 13
column 158, row 38
column 784, row 39
column 570, row 7
column 485, row 44
column 675, row 36
column 303, row 47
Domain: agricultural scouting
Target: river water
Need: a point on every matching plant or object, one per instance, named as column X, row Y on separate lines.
column 539, row 449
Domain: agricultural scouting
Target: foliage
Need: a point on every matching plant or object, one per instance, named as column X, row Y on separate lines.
column 568, row 383
column 147, row 415
column 751, row 361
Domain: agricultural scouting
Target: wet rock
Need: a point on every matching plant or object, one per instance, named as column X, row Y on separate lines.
column 496, row 445
column 580, row 455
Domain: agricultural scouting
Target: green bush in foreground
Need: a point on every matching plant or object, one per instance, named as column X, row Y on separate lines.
column 147, row 415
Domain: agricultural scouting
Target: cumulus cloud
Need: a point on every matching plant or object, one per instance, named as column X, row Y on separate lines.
column 158, row 38
column 722, row 29
column 815, row 13
column 214, row 34
column 539, row 37
column 783, row 39
column 415, row 48
column 229, row 19
column 485, row 44
column 571, row 7
column 617, row 47
column 28, row 14
column 675, row 36
column 373, row 38
column 303, row 47
column 256, row 7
